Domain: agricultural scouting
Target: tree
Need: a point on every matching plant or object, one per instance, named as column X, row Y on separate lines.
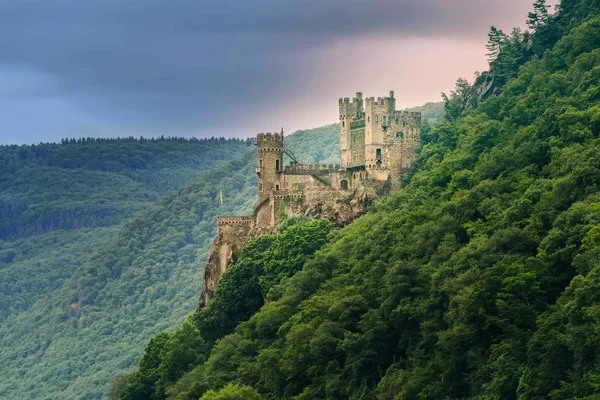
column 496, row 40
column 232, row 392
column 539, row 16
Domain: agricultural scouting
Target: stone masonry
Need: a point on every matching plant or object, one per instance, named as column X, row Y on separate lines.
column 377, row 143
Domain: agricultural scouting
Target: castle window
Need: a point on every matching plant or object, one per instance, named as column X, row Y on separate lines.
column 344, row 184
column 378, row 154
column 260, row 186
column 384, row 120
column 277, row 165
column 377, row 118
column 276, row 187
column 368, row 119
column 343, row 124
column 260, row 163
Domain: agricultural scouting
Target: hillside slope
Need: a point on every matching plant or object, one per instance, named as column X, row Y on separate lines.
column 97, row 182
column 479, row 279
column 81, row 304
column 60, row 202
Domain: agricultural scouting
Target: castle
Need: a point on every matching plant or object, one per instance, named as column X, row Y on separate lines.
column 377, row 145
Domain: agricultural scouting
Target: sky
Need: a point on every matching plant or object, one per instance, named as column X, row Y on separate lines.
column 232, row 68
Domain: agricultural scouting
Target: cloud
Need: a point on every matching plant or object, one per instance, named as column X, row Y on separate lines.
column 207, row 66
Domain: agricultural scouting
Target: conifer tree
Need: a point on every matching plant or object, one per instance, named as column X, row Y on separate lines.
column 496, row 39
column 539, row 16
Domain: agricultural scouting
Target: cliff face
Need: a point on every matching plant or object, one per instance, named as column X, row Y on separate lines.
column 378, row 143
column 339, row 207
column 232, row 232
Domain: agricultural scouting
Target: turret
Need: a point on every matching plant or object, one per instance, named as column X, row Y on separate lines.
column 349, row 112
column 270, row 162
column 379, row 116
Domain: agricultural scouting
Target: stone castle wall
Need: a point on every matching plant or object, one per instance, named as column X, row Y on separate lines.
column 232, row 232
column 377, row 145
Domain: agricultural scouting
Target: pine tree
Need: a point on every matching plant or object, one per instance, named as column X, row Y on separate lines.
column 539, row 16
column 496, row 39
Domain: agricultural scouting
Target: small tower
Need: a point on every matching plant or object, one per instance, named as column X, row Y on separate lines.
column 349, row 112
column 380, row 115
column 270, row 163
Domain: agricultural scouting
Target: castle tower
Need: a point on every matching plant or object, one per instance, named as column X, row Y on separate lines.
column 351, row 114
column 379, row 115
column 270, row 163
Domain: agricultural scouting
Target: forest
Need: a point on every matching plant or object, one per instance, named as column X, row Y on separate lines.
column 480, row 278
column 81, row 296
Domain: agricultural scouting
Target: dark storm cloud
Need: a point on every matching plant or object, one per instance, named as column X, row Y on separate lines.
column 179, row 64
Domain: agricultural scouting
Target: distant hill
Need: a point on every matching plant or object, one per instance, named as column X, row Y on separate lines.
column 431, row 112
column 97, row 182
column 81, row 296
column 319, row 145
column 54, row 198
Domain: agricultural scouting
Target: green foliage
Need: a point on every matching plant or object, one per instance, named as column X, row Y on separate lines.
column 479, row 279
column 232, row 392
column 97, row 182
column 263, row 263
column 431, row 113
column 78, row 304
column 318, row 145
column 33, row 267
column 91, row 322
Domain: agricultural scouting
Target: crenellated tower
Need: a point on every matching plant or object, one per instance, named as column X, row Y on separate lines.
column 379, row 116
column 378, row 145
column 352, row 116
column 270, row 163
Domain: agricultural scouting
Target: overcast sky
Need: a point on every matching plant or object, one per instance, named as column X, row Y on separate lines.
column 203, row 68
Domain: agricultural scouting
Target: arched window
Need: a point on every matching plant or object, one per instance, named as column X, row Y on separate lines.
column 260, row 186
column 377, row 118
column 378, row 154
column 277, row 165
column 344, row 184
column 343, row 124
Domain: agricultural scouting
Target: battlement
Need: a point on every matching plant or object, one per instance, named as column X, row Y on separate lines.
column 235, row 221
column 355, row 100
column 270, row 138
column 408, row 114
column 350, row 109
column 282, row 195
column 311, row 169
column 381, row 101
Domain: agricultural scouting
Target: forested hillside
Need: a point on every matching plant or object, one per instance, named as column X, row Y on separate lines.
column 79, row 303
column 430, row 112
column 319, row 145
column 60, row 202
column 480, row 278
column 97, row 182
